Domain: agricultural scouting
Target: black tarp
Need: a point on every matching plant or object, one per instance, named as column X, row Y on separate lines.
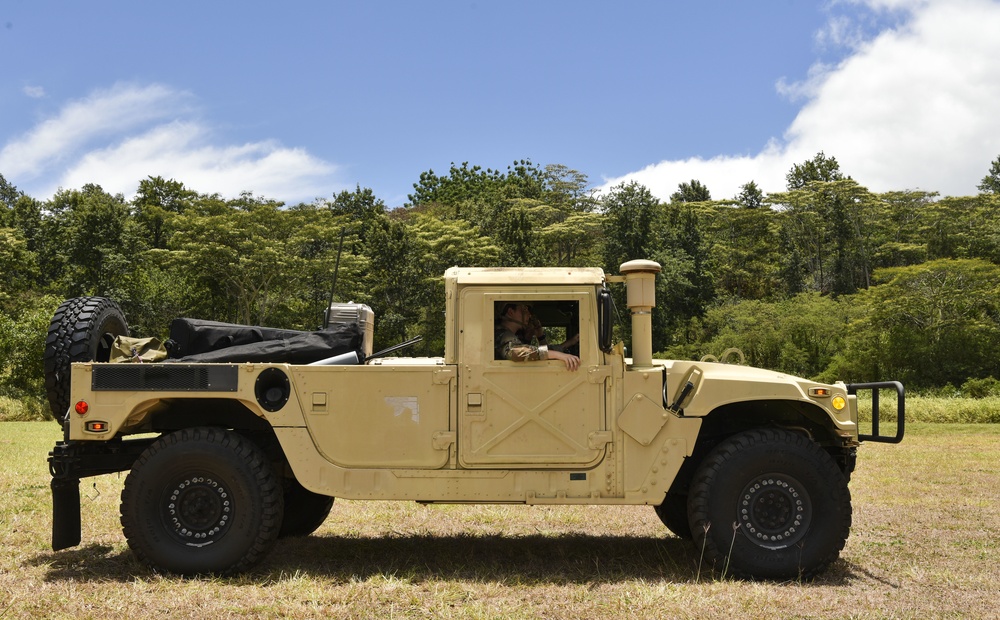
column 209, row 341
column 194, row 336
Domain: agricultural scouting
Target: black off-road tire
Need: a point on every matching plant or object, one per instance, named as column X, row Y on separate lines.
column 673, row 512
column 305, row 511
column 770, row 504
column 82, row 330
column 201, row 501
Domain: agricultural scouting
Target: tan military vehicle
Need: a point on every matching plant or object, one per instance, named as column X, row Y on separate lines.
column 226, row 457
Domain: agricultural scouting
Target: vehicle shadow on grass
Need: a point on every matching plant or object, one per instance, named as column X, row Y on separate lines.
column 574, row 558
column 571, row 558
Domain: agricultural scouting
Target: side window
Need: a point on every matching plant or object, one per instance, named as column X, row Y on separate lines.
column 555, row 324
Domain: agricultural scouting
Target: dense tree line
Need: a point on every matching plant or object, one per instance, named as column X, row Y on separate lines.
column 825, row 279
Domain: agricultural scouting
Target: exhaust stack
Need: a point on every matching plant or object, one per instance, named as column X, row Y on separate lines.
column 640, row 288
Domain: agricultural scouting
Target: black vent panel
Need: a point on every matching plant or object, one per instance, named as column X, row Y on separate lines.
column 166, row 377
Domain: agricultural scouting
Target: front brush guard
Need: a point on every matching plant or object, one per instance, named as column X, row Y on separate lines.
column 853, row 388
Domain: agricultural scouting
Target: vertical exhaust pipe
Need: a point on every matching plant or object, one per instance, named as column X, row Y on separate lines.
column 640, row 289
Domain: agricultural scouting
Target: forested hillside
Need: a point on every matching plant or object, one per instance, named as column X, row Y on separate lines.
column 825, row 279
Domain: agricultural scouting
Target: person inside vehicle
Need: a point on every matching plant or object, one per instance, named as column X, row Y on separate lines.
column 518, row 328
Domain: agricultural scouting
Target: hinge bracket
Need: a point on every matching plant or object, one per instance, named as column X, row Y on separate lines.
column 442, row 440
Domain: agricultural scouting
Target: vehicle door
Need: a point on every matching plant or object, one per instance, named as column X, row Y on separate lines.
column 533, row 413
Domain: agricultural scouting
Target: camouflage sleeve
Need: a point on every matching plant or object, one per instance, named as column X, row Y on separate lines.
column 510, row 347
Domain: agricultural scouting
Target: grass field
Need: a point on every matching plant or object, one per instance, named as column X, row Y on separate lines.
column 924, row 545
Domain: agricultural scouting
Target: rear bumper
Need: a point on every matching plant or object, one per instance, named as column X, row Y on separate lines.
column 71, row 460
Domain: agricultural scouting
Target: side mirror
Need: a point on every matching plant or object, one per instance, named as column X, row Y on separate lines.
column 604, row 320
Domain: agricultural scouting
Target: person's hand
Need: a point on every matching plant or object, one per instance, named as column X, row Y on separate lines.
column 572, row 362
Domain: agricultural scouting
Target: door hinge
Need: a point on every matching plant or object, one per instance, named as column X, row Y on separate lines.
column 444, row 376
column 442, row 440
column 599, row 439
column 598, row 374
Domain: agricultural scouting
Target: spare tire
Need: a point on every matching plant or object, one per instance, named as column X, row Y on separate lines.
column 82, row 330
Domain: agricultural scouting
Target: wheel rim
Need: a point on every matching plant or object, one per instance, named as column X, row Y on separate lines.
column 198, row 511
column 774, row 511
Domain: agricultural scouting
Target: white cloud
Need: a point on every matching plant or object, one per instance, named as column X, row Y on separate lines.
column 807, row 88
column 117, row 137
column 103, row 115
column 35, row 92
column 841, row 31
column 178, row 150
column 911, row 107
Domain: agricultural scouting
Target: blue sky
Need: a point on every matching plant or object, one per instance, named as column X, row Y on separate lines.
column 300, row 100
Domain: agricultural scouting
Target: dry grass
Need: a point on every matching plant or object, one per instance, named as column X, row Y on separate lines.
column 924, row 545
column 936, row 409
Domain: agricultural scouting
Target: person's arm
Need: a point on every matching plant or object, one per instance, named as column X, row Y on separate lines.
column 511, row 348
column 572, row 362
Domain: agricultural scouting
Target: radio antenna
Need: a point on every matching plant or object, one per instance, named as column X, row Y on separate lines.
column 333, row 287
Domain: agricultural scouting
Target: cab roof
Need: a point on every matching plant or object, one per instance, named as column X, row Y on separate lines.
column 525, row 275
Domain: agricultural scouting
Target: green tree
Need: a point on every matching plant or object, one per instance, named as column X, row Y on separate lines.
column 524, row 210
column 962, row 227
column 691, row 192
column 832, row 223
column 361, row 210
column 567, row 189
column 750, row 196
column 22, row 337
column 330, row 258
column 26, row 217
column 239, row 262
column 441, row 244
column 927, row 325
column 22, row 219
column 801, row 335
column 573, row 241
column 792, row 266
column 515, row 235
column 89, row 241
column 899, row 224
column 691, row 293
column 18, row 269
column 8, row 196
column 630, row 217
column 745, row 251
column 567, row 227
column 476, row 194
column 991, row 182
column 155, row 203
column 451, row 243
column 637, row 226
column 397, row 286
column 819, row 168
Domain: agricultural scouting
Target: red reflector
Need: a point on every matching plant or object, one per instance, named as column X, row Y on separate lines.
column 82, row 407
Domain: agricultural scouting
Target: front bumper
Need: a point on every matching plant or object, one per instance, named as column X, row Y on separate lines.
column 875, row 388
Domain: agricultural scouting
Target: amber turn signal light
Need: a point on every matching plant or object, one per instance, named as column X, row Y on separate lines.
column 97, row 427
